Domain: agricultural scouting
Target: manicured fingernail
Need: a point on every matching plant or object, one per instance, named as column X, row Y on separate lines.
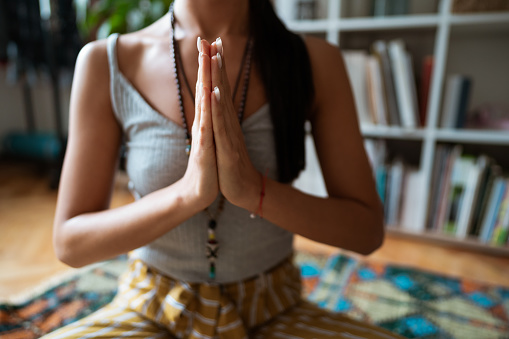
column 219, row 44
column 217, row 94
column 219, row 61
column 198, row 44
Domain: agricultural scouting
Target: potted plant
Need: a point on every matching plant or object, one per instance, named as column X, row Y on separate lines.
column 99, row 18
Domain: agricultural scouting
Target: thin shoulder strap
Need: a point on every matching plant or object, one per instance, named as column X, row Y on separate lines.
column 113, row 66
column 112, row 52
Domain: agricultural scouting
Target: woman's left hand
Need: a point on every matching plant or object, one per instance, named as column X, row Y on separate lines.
column 239, row 181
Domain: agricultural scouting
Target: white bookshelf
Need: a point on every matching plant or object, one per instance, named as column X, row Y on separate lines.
column 447, row 32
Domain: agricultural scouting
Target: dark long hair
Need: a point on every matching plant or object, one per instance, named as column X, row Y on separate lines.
column 285, row 69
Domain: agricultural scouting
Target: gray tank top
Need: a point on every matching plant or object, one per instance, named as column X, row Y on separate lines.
column 156, row 158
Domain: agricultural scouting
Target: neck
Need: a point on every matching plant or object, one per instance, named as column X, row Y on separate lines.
column 212, row 18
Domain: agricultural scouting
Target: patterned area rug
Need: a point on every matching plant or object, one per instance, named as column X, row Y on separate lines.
column 413, row 303
column 410, row 302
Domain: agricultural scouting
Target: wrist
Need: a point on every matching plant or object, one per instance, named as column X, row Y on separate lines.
column 254, row 203
column 191, row 198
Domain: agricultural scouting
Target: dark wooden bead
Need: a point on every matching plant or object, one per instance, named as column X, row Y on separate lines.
column 212, row 224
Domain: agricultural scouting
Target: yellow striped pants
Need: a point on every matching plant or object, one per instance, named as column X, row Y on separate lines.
column 151, row 305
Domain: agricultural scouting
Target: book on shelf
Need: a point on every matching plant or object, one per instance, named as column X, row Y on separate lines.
column 471, row 196
column 443, row 206
column 393, row 192
column 404, row 84
column 460, row 175
column 381, row 182
column 376, row 150
column 389, row 7
column 355, row 61
column 439, row 164
column 413, row 89
column 456, row 99
column 377, row 102
column 411, row 204
column 491, row 172
column 399, row 186
column 499, row 235
column 490, row 216
column 425, row 85
column 384, row 84
column 379, row 50
column 353, row 9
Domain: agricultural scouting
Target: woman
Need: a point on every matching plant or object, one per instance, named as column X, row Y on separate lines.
column 210, row 233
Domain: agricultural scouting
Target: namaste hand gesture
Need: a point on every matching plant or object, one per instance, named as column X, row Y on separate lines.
column 219, row 156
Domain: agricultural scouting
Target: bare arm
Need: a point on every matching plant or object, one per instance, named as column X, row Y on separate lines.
column 85, row 230
column 352, row 216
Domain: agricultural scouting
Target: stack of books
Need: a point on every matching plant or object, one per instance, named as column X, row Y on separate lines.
column 456, row 100
column 399, row 186
column 469, row 197
column 384, row 85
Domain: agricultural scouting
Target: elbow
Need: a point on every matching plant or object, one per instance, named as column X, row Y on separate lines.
column 375, row 241
column 66, row 256
column 376, row 237
column 64, row 249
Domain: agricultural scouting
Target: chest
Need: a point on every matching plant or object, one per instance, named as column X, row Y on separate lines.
column 152, row 74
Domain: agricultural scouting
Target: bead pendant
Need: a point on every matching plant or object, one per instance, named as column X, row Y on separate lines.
column 188, row 146
column 212, row 248
column 212, row 272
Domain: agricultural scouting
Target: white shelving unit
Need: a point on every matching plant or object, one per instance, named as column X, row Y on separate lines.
column 443, row 25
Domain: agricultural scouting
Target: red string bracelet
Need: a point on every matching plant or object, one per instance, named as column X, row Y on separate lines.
column 259, row 212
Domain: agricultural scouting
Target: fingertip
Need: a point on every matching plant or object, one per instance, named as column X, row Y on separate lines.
column 217, row 94
column 213, row 48
column 219, row 44
column 205, row 47
column 219, row 60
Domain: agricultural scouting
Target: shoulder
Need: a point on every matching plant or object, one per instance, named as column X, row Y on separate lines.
column 93, row 57
column 329, row 73
column 320, row 48
column 91, row 73
column 326, row 59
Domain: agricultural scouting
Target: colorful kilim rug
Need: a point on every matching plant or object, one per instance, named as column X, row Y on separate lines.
column 413, row 303
column 410, row 302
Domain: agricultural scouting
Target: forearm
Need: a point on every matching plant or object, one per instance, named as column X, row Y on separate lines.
column 91, row 237
column 340, row 222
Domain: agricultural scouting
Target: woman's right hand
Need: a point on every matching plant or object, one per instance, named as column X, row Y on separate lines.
column 201, row 180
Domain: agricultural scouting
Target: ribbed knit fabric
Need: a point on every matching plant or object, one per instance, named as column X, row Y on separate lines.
column 156, row 158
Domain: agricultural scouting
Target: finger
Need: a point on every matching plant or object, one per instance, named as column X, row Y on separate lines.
column 217, row 83
column 206, row 135
column 204, row 47
column 216, row 65
column 219, row 44
column 218, row 122
column 198, row 77
column 218, row 80
column 224, row 75
column 213, row 50
column 197, row 110
column 205, row 58
column 197, row 99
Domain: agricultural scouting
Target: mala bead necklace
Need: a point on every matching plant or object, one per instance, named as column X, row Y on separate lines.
column 212, row 244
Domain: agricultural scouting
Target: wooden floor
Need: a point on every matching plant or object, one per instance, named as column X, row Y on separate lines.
column 27, row 207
